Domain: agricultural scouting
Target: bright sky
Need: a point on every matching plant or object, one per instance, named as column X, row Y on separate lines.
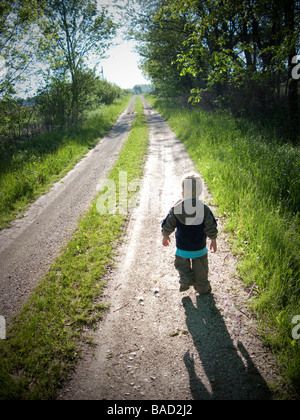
column 121, row 67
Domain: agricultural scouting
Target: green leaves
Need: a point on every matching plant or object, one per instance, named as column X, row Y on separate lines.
column 56, row 36
column 234, row 49
column 71, row 32
column 74, row 29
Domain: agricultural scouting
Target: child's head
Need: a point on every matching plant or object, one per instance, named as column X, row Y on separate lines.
column 191, row 185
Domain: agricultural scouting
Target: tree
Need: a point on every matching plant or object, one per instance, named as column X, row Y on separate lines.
column 241, row 50
column 160, row 37
column 16, row 58
column 73, row 33
column 106, row 93
column 16, row 46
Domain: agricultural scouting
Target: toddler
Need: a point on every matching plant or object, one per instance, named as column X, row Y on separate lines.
column 193, row 222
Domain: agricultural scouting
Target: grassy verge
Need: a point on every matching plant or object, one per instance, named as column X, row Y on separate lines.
column 44, row 341
column 255, row 182
column 29, row 167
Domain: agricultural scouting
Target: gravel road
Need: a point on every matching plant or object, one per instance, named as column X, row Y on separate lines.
column 155, row 343
column 29, row 247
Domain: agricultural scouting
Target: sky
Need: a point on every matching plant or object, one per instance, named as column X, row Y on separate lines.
column 121, row 67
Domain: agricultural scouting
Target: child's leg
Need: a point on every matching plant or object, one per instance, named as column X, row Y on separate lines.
column 183, row 266
column 200, row 271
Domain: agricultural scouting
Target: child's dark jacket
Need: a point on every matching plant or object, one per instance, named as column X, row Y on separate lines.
column 193, row 222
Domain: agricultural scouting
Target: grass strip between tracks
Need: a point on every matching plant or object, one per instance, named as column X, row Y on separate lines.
column 44, row 341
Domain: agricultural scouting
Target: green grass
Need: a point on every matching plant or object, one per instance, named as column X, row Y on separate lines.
column 255, row 182
column 45, row 340
column 28, row 168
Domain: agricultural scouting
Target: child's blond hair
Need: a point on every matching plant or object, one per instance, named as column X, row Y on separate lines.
column 191, row 185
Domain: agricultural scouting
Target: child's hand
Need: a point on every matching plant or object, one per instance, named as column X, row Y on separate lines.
column 213, row 246
column 166, row 241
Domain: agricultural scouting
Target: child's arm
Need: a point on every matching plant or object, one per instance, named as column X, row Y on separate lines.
column 167, row 227
column 210, row 228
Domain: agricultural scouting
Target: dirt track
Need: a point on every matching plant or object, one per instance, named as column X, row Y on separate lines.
column 154, row 342
column 30, row 246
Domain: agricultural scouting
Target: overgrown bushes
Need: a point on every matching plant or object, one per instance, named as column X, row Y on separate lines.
column 53, row 107
column 56, row 101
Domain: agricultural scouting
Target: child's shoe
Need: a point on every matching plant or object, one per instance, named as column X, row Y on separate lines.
column 203, row 291
column 184, row 287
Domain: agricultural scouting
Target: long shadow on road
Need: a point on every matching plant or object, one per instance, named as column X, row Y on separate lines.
column 231, row 376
